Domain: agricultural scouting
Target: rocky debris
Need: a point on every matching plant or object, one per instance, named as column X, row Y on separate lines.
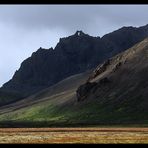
column 117, row 66
column 100, row 69
column 84, row 89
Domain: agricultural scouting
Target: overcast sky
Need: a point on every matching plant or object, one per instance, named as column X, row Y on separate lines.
column 25, row 28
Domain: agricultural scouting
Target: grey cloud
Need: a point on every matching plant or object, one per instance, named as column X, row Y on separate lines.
column 25, row 28
column 70, row 17
column 45, row 16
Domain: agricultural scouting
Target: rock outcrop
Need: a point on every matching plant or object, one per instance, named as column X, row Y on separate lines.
column 84, row 89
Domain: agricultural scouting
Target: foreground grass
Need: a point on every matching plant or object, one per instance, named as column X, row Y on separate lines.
column 74, row 135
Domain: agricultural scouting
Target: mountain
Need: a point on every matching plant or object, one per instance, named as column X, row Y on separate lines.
column 72, row 55
column 115, row 92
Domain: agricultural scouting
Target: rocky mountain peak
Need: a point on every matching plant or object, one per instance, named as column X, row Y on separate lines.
column 79, row 33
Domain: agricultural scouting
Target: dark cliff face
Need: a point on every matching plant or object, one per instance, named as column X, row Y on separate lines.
column 72, row 55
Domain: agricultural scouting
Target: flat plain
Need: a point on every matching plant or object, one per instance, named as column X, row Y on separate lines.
column 74, row 135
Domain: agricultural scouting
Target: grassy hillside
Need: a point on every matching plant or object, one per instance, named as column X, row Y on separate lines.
column 50, row 113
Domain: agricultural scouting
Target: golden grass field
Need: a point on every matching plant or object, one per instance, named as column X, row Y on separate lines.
column 74, row 135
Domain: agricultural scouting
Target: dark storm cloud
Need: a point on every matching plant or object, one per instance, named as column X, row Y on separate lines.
column 25, row 28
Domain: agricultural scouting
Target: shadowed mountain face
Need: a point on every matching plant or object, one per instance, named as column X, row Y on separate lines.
column 72, row 55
